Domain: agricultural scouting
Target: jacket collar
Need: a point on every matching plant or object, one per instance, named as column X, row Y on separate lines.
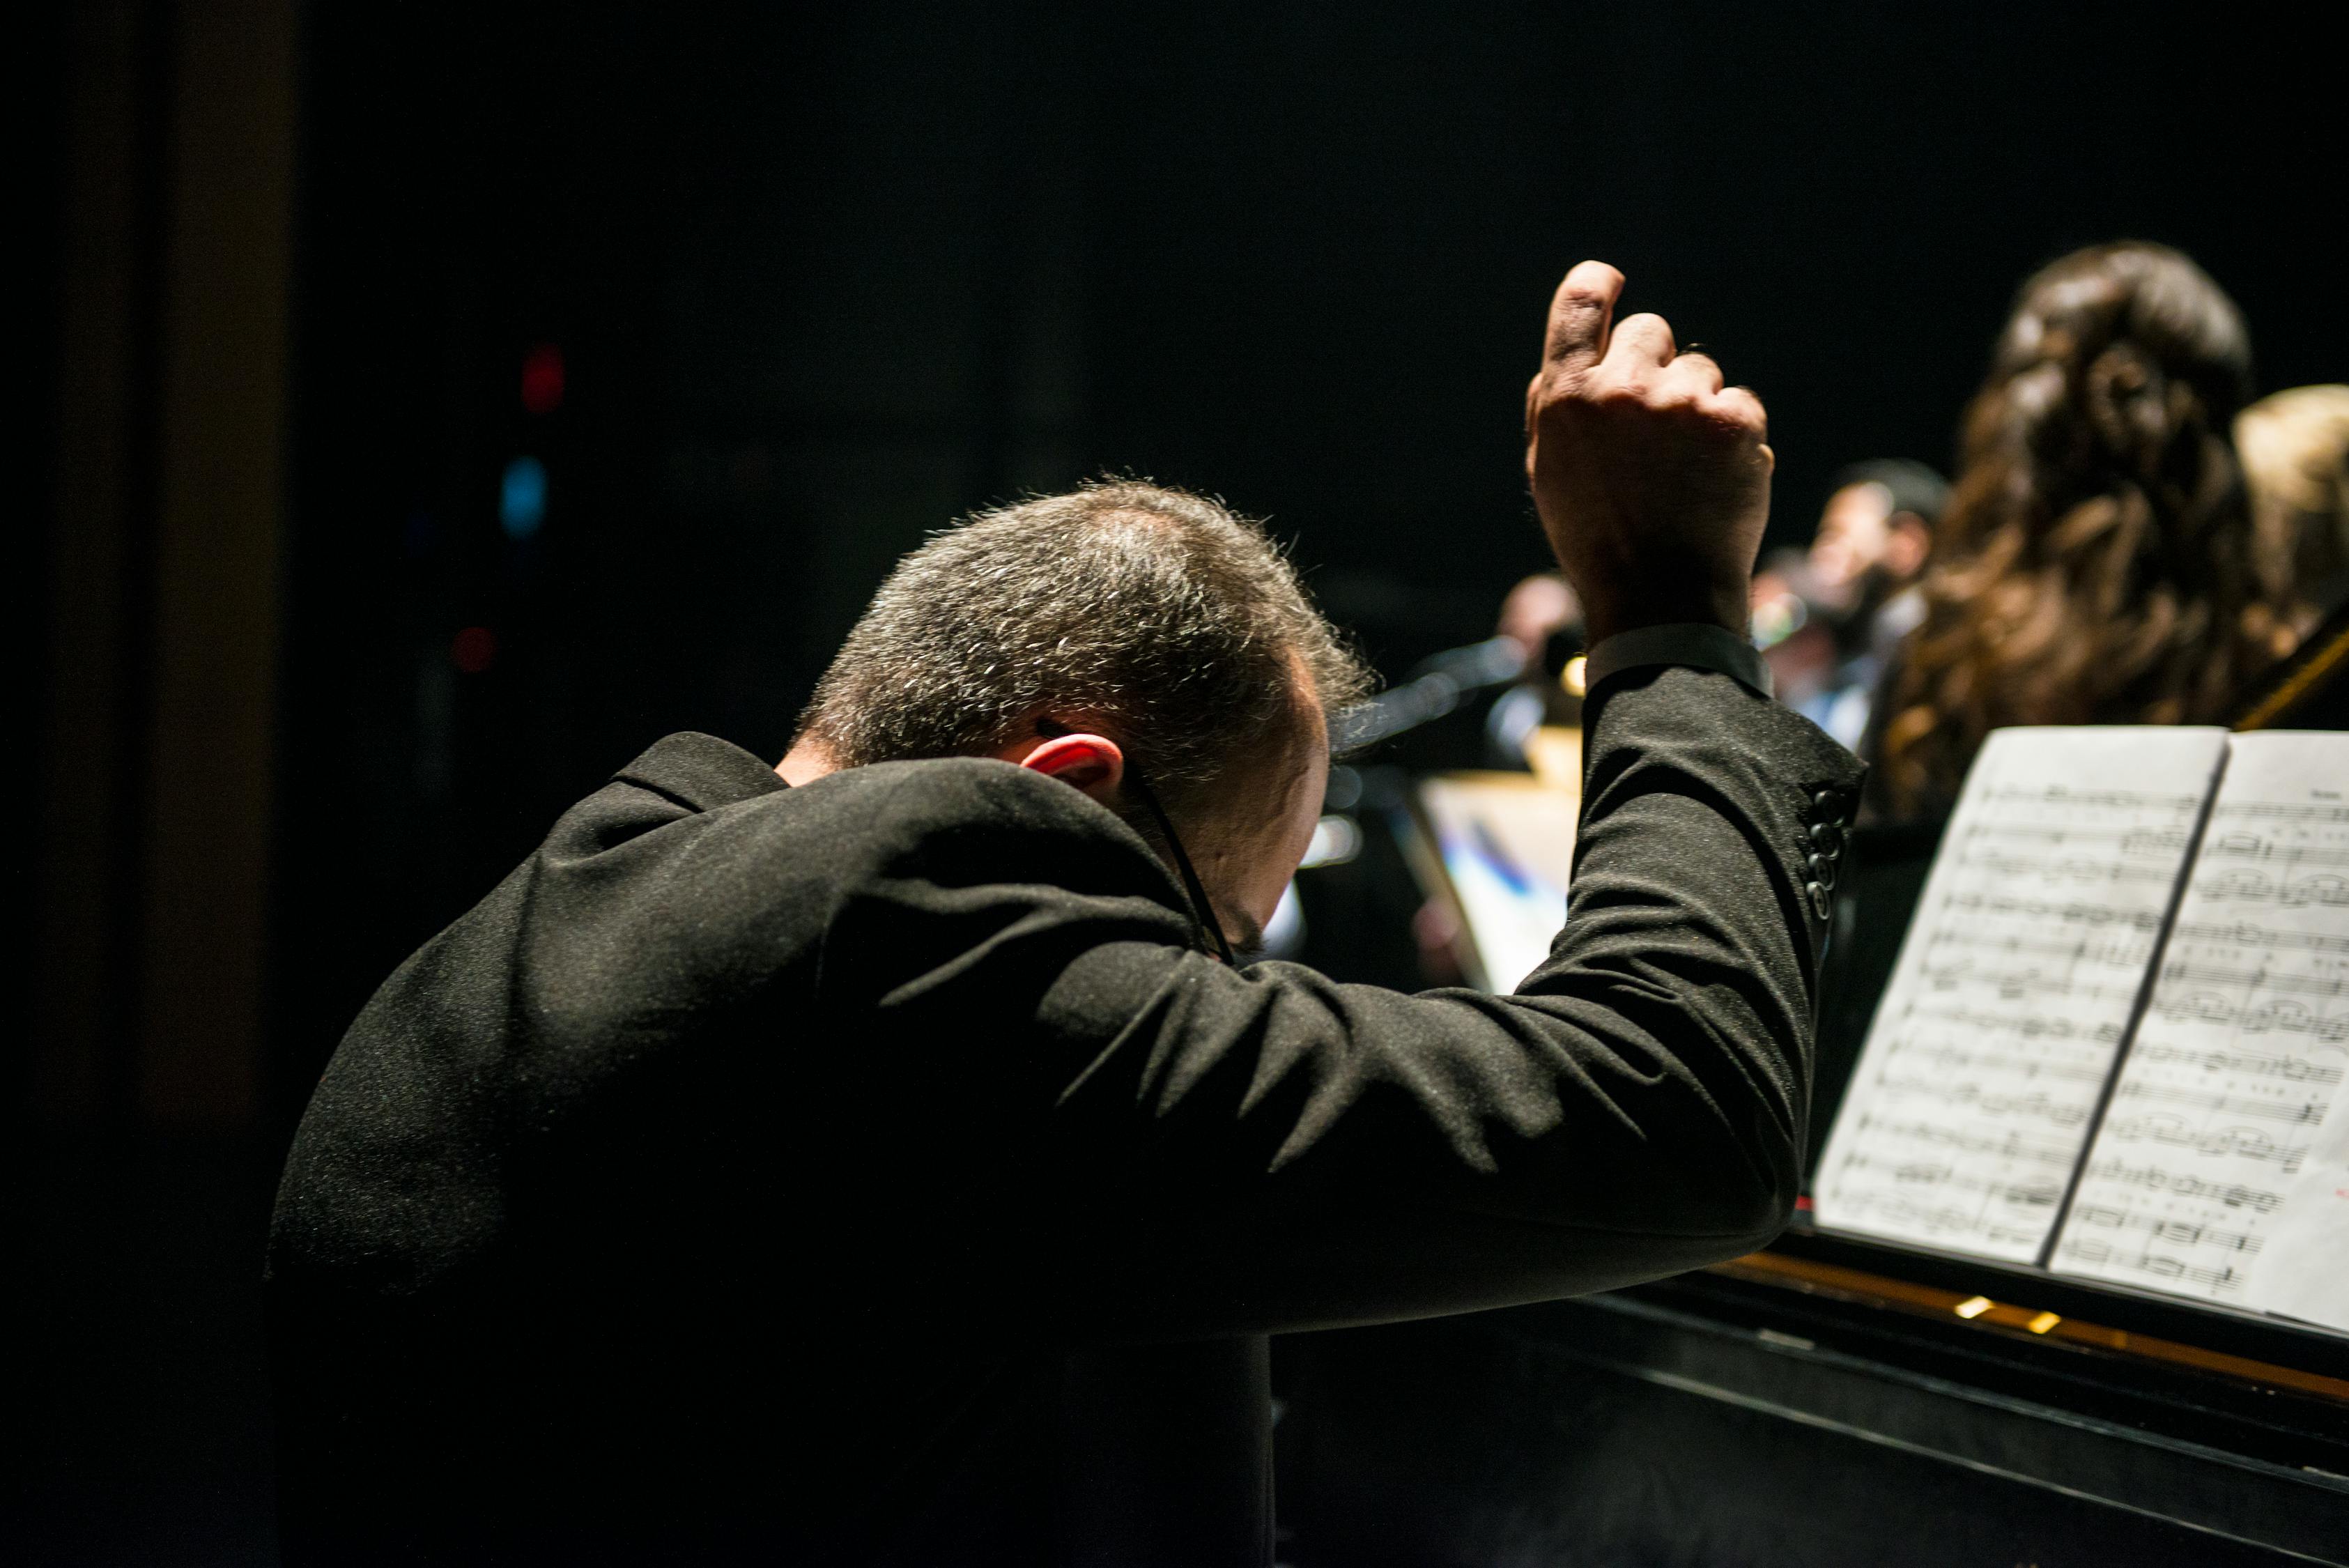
column 701, row 772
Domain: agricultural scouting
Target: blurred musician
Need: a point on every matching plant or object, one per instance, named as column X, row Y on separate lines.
column 2097, row 564
column 1828, row 617
column 2295, row 452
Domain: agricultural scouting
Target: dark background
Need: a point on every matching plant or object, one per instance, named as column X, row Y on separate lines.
column 819, row 282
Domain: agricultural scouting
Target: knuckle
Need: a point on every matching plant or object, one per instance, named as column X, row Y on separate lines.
column 1561, row 395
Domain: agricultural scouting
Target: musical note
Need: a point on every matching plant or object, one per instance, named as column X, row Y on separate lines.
column 2186, row 1232
column 2045, row 1191
column 2282, row 1110
column 2024, row 1067
column 2298, row 1068
column 2094, row 1256
column 2222, row 1146
column 2239, row 845
column 2016, row 983
column 2291, row 1017
column 2300, row 811
column 2060, row 1109
column 2242, row 933
column 2075, row 911
column 2009, row 1146
column 2185, row 970
column 2224, row 1143
column 2120, row 798
column 2073, row 868
column 2232, row 1195
column 2012, row 984
column 2326, row 890
column 2129, row 950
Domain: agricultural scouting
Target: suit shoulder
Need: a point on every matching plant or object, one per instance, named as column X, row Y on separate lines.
column 955, row 821
column 972, row 819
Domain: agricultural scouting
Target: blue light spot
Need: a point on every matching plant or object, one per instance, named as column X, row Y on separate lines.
column 521, row 500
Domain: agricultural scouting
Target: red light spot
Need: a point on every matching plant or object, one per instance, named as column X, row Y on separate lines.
column 475, row 649
column 542, row 379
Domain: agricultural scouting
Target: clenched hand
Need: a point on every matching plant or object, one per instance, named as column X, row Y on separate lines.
column 1652, row 478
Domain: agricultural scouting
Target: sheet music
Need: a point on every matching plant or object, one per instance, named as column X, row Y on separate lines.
column 2220, row 1169
column 1993, row 1042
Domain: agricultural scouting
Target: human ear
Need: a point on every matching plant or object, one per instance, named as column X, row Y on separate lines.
column 1094, row 764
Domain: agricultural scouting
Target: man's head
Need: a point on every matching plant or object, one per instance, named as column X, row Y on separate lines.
column 1123, row 628
column 2294, row 447
column 1875, row 532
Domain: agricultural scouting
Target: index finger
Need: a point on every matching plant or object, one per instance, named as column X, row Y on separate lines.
column 1580, row 315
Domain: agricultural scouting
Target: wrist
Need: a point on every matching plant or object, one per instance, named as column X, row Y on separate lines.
column 1697, row 645
column 1724, row 607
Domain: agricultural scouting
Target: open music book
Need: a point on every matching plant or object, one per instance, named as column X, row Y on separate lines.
column 2115, row 1041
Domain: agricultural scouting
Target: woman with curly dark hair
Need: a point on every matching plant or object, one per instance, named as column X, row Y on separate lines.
column 2096, row 562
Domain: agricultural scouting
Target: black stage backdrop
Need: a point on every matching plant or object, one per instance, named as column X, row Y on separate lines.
column 819, row 282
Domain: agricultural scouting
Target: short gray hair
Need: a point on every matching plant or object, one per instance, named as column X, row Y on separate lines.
column 1160, row 614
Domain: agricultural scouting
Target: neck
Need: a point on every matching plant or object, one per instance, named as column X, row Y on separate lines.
column 807, row 760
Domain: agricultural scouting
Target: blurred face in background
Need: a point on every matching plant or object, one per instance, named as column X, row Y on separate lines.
column 1863, row 542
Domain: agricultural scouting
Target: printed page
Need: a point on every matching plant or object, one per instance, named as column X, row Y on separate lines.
column 1994, row 1043
column 2221, row 1170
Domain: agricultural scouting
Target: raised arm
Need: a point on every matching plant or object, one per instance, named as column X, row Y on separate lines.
column 1268, row 1149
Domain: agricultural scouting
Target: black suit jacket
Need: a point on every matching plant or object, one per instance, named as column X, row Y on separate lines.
column 870, row 1173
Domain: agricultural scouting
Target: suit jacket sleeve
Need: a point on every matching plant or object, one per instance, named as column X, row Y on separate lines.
column 1218, row 1151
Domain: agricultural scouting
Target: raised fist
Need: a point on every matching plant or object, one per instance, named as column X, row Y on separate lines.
column 1652, row 478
